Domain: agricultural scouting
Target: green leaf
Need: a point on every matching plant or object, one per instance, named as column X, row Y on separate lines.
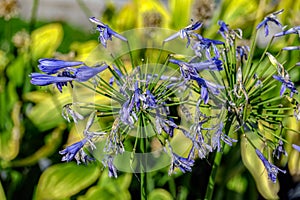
column 67, row 179
column 180, row 11
column 45, row 40
column 45, row 119
column 123, row 181
column 52, row 143
column 2, row 194
column 15, row 71
column 160, row 194
column 10, row 138
column 110, row 188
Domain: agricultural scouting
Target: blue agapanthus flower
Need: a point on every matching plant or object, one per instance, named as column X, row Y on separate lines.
column 206, row 44
column 65, row 72
column 108, row 161
column 52, row 65
column 291, row 48
column 294, row 30
column 71, row 151
column 286, row 83
column 270, row 18
column 106, row 32
column 189, row 72
column 296, row 147
column 186, row 32
column 218, row 136
column 223, row 30
column 271, row 169
column 279, row 150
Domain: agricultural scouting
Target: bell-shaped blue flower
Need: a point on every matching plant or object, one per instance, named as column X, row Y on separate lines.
column 71, row 151
column 52, row 65
column 84, row 73
column 286, row 83
column 270, row 18
column 106, row 33
column 294, row 30
column 271, row 169
column 185, row 32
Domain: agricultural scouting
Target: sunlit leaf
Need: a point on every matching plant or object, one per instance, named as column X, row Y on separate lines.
column 4, row 60
column 83, row 49
column 67, row 179
column 52, row 143
column 126, row 17
column 2, row 194
column 110, row 188
column 152, row 13
column 122, row 181
column 45, row 40
column 180, row 12
column 10, row 139
column 234, row 9
column 294, row 155
column 15, row 71
column 51, row 117
column 160, row 194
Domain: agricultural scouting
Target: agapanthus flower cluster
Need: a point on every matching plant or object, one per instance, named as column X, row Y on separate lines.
column 218, row 92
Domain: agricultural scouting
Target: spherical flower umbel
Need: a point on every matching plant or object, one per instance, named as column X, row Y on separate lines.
column 209, row 92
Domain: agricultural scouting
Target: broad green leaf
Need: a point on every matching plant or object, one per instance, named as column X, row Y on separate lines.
column 10, row 139
column 294, row 155
column 233, row 10
column 67, row 179
column 104, row 193
column 2, row 194
column 160, row 194
column 294, row 162
column 110, row 188
column 266, row 187
column 43, row 118
column 152, row 9
column 122, row 182
column 83, row 49
column 180, row 12
column 52, row 143
column 15, row 71
column 45, row 40
column 4, row 60
column 126, row 17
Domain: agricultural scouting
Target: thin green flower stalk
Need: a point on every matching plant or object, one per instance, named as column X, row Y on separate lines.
column 192, row 87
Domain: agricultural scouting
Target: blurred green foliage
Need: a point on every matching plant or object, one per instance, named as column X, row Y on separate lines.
column 32, row 130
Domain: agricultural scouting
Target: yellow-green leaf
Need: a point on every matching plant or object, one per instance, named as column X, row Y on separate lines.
column 51, row 117
column 66, row 179
column 10, row 139
column 49, row 148
column 180, row 12
column 2, row 194
column 45, row 40
column 160, row 194
column 110, row 188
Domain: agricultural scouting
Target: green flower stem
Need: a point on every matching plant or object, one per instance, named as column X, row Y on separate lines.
column 212, row 177
column 143, row 147
column 217, row 161
column 33, row 15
